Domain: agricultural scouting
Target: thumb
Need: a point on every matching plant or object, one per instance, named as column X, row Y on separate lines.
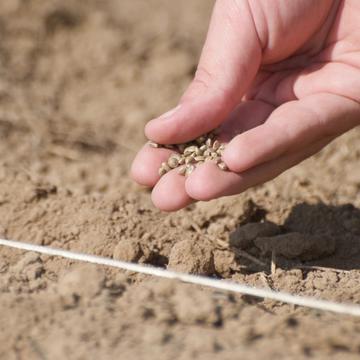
column 229, row 62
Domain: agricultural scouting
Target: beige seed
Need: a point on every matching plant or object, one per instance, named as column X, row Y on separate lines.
column 207, row 152
column 189, row 169
column 190, row 149
column 222, row 166
column 182, row 170
column 189, row 159
column 216, row 145
column 165, row 166
column 162, row 171
column 199, row 158
column 182, row 160
column 173, row 161
column 153, row 144
column 208, row 143
column 203, row 147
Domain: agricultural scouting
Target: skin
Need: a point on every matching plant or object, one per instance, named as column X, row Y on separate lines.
column 280, row 78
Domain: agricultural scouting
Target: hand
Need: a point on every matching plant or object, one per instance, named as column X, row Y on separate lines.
column 280, row 78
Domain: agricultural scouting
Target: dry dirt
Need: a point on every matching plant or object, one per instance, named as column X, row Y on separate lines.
column 78, row 80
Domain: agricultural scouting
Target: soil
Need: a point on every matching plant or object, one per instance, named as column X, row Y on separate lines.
column 78, row 81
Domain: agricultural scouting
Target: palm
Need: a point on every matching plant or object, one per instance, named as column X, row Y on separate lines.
column 305, row 93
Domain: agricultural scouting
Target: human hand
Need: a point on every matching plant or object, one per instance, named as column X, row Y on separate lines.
column 280, row 79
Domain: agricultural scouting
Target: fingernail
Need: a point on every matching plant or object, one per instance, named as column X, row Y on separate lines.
column 169, row 113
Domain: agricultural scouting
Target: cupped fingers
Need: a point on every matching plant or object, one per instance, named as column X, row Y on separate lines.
column 208, row 182
column 290, row 128
column 145, row 167
column 169, row 193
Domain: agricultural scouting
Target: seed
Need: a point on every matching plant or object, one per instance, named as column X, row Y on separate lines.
column 153, row 144
column 200, row 140
column 190, row 149
column 189, row 169
column 208, row 142
column 165, row 166
column 189, row 159
column 173, row 161
column 216, row 145
column 162, row 171
column 222, row 166
column 203, row 147
column 182, row 160
column 182, row 170
column 199, row 158
column 207, row 152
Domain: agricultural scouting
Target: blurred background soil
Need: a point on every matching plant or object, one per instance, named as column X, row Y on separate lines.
column 78, row 81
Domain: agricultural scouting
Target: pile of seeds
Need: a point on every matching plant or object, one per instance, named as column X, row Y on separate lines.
column 190, row 154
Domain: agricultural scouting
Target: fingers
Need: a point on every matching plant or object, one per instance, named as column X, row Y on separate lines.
column 169, row 193
column 291, row 127
column 208, row 182
column 230, row 59
column 333, row 77
column 145, row 167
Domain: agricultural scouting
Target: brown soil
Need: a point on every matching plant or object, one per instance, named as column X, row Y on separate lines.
column 78, row 80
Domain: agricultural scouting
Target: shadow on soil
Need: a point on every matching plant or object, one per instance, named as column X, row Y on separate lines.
column 313, row 234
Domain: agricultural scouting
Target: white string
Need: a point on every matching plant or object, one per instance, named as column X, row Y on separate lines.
column 342, row 308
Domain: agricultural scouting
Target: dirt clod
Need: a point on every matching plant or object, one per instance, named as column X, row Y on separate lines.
column 86, row 281
column 127, row 250
column 244, row 236
column 192, row 257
